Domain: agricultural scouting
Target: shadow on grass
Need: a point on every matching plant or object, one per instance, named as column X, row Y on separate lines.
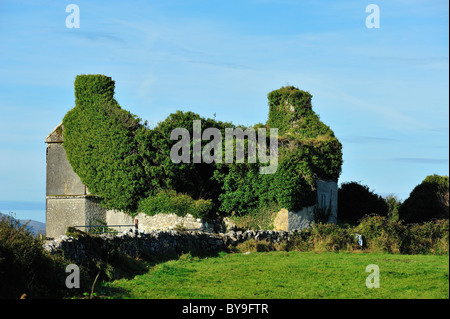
column 126, row 267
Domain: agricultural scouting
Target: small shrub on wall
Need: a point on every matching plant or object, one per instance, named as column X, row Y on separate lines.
column 166, row 202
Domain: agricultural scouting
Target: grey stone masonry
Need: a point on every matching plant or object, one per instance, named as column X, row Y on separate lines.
column 61, row 179
column 81, row 250
column 68, row 202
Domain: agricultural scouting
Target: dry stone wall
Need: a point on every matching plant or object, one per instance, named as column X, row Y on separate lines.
column 83, row 249
column 171, row 221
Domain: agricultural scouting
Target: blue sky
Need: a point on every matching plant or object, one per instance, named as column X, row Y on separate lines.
column 384, row 91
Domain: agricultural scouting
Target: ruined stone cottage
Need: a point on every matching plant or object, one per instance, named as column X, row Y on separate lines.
column 310, row 156
column 69, row 203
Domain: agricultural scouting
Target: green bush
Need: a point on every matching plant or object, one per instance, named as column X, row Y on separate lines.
column 393, row 204
column 429, row 200
column 167, row 202
column 356, row 200
column 331, row 237
column 429, row 237
column 194, row 179
column 323, row 237
column 25, row 267
column 381, row 234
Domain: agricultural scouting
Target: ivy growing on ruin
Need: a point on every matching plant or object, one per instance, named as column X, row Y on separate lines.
column 101, row 144
column 128, row 164
column 308, row 150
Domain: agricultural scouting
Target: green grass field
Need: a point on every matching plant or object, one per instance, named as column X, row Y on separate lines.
column 282, row 275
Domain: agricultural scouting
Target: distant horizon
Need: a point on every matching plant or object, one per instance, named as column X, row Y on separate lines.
column 24, row 210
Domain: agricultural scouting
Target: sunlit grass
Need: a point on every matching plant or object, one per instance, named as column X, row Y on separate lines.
column 281, row 274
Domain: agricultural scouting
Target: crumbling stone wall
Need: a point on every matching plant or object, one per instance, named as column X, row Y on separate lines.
column 141, row 244
column 172, row 221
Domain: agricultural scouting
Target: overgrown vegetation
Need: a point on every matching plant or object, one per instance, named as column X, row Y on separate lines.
column 356, row 200
column 172, row 202
column 128, row 164
column 100, row 139
column 307, row 151
column 260, row 218
column 429, row 200
column 379, row 235
column 25, row 268
column 28, row 271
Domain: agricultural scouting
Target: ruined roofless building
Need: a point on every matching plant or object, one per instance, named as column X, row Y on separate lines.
column 69, row 203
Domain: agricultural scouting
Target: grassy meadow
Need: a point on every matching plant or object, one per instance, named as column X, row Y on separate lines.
column 287, row 274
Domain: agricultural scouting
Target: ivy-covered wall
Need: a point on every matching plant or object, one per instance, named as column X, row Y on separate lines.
column 128, row 164
column 308, row 150
column 101, row 144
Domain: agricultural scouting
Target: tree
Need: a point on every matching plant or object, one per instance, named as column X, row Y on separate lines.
column 194, row 179
column 428, row 200
column 356, row 200
column 393, row 205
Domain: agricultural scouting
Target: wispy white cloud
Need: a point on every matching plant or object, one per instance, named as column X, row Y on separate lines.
column 367, row 139
column 420, row 160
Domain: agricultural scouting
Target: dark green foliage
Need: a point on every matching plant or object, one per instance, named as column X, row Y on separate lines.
column 307, row 150
column 356, row 200
column 101, row 145
column 25, row 268
column 122, row 160
column 428, row 200
column 125, row 162
column 194, row 179
column 380, row 235
column 286, row 106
